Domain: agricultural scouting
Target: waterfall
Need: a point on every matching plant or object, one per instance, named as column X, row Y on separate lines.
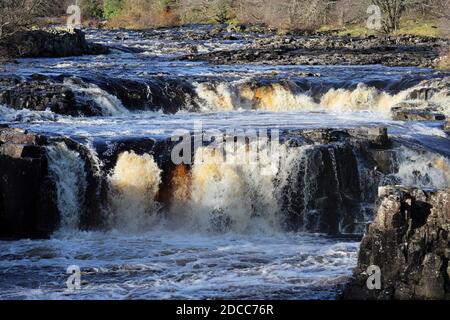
column 134, row 185
column 315, row 188
column 360, row 98
column 295, row 184
column 108, row 104
column 67, row 170
column 235, row 191
column 287, row 96
column 422, row 169
column 231, row 196
column 242, row 95
column 25, row 115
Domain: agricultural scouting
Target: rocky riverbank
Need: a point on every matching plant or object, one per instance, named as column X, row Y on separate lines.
column 324, row 49
column 409, row 241
column 258, row 46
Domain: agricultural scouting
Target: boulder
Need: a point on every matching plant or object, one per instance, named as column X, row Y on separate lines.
column 446, row 126
column 27, row 195
column 50, row 43
column 409, row 241
column 417, row 115
column 42, row 93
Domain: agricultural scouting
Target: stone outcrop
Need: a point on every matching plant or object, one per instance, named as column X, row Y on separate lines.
column 325, row 49
column 27, row 194
column 66, row 95
column 40, row 93
column 428, row 89
column 427, row 114
column 446, row 126
column 50, row 43
column 422, row 102
column 334, row 187
column 409, row 241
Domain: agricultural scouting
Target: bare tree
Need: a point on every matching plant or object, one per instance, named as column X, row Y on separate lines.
column 17, row 15
column 440, row 10
column 392, row 11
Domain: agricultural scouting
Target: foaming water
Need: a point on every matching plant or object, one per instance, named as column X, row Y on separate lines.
column 134, row 186
column 287, row 96
column 109, row 104
column 68, row 172
column 233, row 195
column 242, row 96
column 25, row 115
column 361, row 98
column 221, row 236
column 423, row 169
column 176, row 265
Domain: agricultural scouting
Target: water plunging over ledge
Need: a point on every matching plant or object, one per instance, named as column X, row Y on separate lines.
column 141, row 227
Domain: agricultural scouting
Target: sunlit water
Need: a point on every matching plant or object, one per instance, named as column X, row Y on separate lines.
column 167, row 264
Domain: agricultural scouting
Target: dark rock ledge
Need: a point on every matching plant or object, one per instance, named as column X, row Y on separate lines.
column 50, row 43
column 326, row 50
column 27, row 194
column 28, row 201
column 410, row 241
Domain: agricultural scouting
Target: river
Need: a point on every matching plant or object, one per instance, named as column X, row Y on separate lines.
column 151, row 252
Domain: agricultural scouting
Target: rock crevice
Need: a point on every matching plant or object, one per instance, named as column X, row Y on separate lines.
column 409, row 240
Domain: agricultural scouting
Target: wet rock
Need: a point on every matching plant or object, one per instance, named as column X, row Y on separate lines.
column 376, row 137
column 235, row 28
column 165, row 94
column 416, row 115
column 298, row 48
column 409, row 241
column 332, row 193
column 27, row 195
column 427, row 89
column 42, row 94
column 386, row 160
column 331, row 203
column 446, row 126
column 66, row 95
column 50, row 43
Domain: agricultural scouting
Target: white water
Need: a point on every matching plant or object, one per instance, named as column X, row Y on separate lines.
column 25, row 115
column 109, row 104
column 184, row 255
column 134, row 186
column 68, row 171
column 233, row 194
column 285, row 97
column 423, row 169
column 178, row 265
